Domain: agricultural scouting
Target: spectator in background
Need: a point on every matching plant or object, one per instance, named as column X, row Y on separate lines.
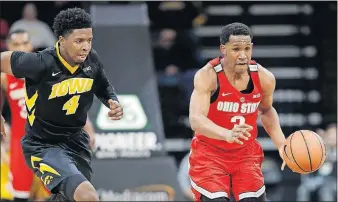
column 40, row 33
column 175, row 61
column 3, row 34
column 176, row 52
column 179, row 17
column 176, row 15
column 165, row 58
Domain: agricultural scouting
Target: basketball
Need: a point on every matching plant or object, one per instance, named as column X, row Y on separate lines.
column 304, row 151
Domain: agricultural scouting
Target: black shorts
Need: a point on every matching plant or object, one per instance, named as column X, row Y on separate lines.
column 53, row 162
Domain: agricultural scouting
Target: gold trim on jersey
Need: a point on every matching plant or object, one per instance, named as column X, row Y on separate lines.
column 63, row 61
column 30, row 103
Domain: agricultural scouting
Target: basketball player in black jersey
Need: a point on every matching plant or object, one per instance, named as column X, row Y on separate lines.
column 60, row 85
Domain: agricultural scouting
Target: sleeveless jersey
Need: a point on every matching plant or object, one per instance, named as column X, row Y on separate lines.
column 232, row 107
column 16, row 100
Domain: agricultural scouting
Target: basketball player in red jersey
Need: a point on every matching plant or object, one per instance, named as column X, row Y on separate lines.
column 15, row 92
column 229, row 94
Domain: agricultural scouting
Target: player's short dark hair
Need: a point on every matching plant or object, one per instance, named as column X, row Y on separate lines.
column 68, row 20
column 234, row 29
column 16, row 31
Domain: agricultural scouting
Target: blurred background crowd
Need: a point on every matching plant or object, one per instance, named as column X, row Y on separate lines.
column 296, row 41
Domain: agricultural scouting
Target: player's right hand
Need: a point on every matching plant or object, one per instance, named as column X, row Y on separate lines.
column 3, row 126
column 239, row 133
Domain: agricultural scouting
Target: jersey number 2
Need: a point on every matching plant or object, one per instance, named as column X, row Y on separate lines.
column 241, row 120
column 71, row 105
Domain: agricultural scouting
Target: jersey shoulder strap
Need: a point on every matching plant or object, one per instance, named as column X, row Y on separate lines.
column 216, row 64
column 253, row 66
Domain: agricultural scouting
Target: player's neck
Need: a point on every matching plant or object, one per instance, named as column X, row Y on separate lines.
column 66, row 57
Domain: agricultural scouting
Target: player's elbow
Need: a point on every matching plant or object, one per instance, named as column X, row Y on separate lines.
column 194, row 122
column 266, row 110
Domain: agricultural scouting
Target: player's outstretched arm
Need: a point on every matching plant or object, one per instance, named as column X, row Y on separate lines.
column 204, row 84
column 22, row 65
column 269, row 116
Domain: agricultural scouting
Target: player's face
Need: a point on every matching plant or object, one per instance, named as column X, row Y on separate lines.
column 20, row 42
column 238, row 52
column 78, row 44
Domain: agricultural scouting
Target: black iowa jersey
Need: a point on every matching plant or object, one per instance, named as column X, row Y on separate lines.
column 58, row 96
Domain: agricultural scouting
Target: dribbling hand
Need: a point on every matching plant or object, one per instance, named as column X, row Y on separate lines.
column 239, row 132
column 116, row 111
column 3, row 126
column 281, row 150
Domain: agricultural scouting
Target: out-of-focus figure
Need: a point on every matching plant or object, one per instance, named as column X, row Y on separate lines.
column 40, row 33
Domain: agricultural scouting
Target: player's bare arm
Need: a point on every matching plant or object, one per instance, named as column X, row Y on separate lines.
column 269, row 116
column 6, row 62
column 205, row 82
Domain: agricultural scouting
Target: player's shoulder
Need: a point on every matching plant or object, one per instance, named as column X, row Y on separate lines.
column 48, row 55
column 266, row 77
column 207, row 75
column 50, row 51
column 264, row 73
column 208, row 71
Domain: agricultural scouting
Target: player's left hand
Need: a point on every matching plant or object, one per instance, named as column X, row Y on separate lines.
column 281, row 151
column 116, row 111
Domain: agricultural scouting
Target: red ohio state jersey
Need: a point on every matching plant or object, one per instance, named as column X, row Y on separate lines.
column 233, row 107
column 16, row 99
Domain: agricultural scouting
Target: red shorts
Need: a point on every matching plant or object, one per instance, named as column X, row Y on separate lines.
column 22, row 175
column 214, row 171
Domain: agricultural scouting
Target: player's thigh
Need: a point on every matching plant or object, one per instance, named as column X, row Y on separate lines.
column 248, row 180
column 50, row 163
column 79, row 150
column 208, row 177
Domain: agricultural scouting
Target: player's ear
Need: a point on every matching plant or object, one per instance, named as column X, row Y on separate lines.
column 223, row 49
column 61, row 40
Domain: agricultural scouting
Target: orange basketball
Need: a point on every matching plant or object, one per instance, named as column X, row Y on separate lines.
column 304, row 151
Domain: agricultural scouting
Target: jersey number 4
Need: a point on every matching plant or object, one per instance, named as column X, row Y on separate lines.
column 71, row 105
